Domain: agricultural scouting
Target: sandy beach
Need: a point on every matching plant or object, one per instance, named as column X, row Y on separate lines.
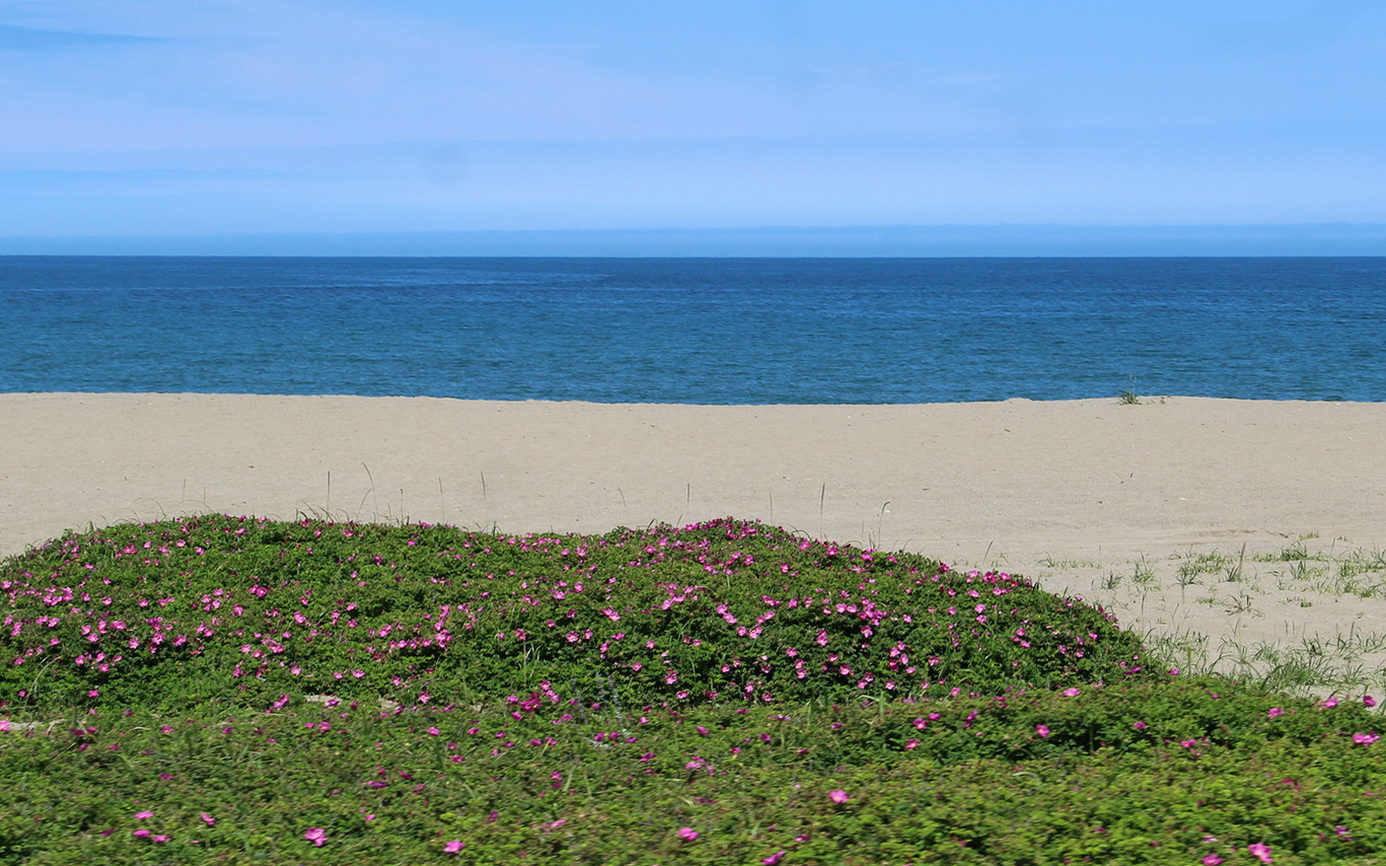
column 1242, row 527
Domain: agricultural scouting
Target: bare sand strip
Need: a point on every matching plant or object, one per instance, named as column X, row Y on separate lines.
column 1177, row 514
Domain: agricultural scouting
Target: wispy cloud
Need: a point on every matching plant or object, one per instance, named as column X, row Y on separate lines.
column 16, row 38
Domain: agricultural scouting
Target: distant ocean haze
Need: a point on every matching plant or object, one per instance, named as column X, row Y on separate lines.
column 712, row 331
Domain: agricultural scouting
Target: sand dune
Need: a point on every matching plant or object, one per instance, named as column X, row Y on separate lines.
column 1149, row 509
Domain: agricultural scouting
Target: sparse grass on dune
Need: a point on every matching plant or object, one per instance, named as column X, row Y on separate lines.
column 1301, row 616
column 221, row 689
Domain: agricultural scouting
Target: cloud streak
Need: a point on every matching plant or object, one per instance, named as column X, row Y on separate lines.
column 16, row 38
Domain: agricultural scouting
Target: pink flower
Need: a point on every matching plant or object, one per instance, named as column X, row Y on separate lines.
column 1042, row 730
column 773, row 858
column 316, row 835
column 1368, row 700
column 453, row 847
column 688, row 833
column 1212, row 860
column 1365, row 739
column 838, row 796
column 1140, row 726
column 209, row 820
column 1275, row 711
column 1071, row 693
column 140, row 816
column 1260, row 851
column 141, row 833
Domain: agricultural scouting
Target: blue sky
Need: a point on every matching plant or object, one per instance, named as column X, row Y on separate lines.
column 251, row 117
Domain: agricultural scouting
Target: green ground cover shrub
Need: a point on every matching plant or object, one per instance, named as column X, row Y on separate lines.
column 234, row 690
column 723, row 611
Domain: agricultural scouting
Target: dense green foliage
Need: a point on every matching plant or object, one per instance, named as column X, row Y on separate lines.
column 724, row 611
column 234, row 690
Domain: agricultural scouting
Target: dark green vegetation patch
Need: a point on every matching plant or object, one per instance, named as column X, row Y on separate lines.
column 220, row 689
column 723, row 612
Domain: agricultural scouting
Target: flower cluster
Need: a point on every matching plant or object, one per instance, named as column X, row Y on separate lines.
column 490, row 692
column 720, row 611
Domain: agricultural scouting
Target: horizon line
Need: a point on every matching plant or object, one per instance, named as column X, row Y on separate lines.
column 897, row 240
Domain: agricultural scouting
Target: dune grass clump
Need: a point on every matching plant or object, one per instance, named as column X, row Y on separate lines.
column 237, row 690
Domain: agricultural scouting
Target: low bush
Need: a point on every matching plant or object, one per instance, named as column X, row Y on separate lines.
column 235, row 690
column 723, row 611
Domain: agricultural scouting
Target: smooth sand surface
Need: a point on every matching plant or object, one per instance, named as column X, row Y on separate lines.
column 1090, row 497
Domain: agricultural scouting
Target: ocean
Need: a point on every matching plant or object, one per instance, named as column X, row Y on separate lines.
column 723, row 331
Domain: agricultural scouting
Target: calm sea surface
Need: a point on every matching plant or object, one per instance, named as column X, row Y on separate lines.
column 740, row 331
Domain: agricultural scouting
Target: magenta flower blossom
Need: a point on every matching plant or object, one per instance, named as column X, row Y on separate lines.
column 140, row 816
column 1365, row 739
column 316, row 835
column 1071, row 693
column 209, row 820
column 687, row 834
column 1368, row 700
column 1042, row 730
column 1275, row 711
column 453, row 847
column 773, row 858
column 1212, row 860
column 838, row 796
column 1260, row 851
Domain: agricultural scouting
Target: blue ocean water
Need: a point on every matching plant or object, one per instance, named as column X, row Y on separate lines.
column 730, row 331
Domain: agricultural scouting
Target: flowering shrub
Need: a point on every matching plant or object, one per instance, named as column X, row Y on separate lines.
column 240, row 691
column 726, row 611
column 312, row 783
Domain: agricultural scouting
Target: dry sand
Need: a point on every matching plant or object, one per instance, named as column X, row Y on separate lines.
column 1169, row 512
